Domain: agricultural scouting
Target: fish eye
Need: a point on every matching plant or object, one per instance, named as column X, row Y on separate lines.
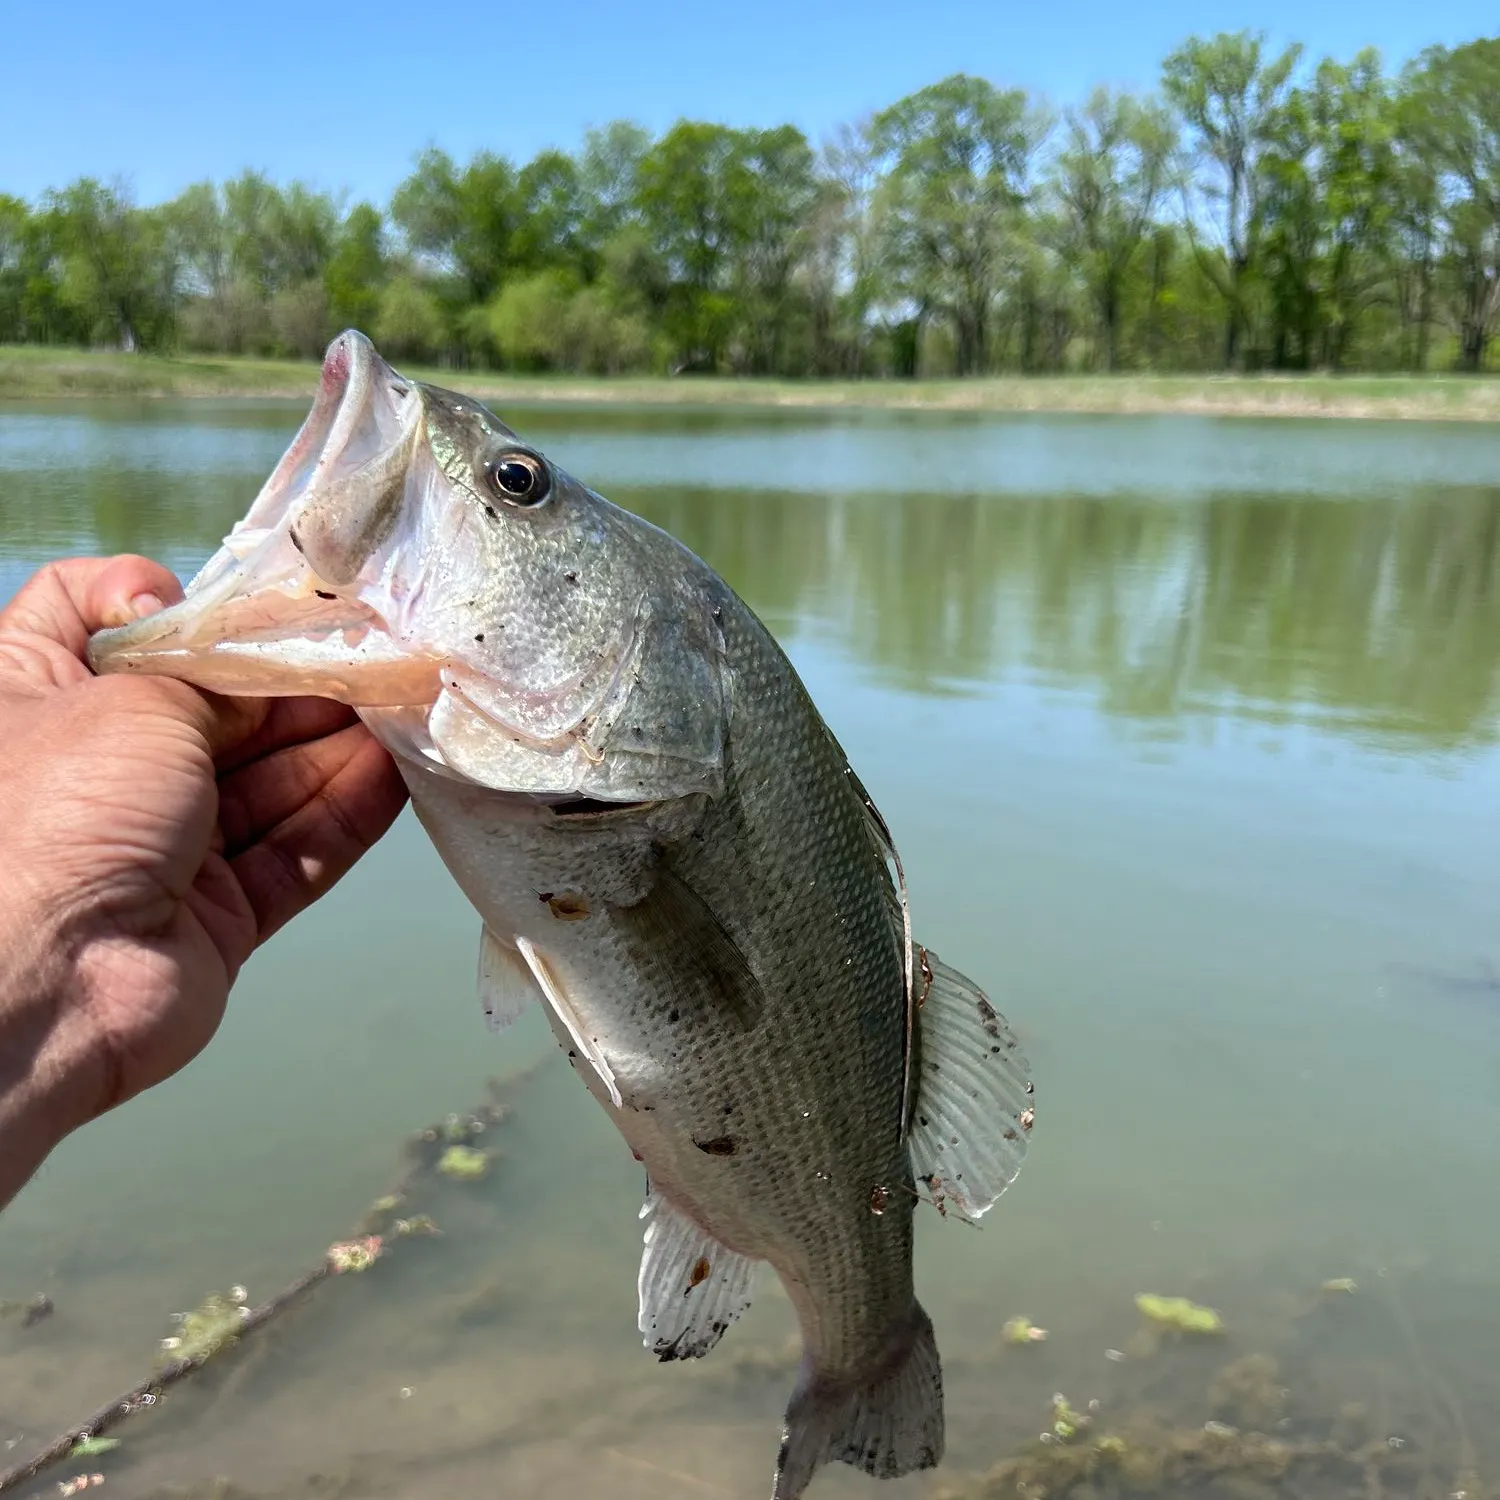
column 518, row 478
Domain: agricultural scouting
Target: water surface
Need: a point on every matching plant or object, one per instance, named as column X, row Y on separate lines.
column 1187, row 731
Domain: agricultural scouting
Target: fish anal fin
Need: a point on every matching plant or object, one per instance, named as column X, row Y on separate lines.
column 690, row 952
column 506, row 984
column 890, row 1426
column 973, row 1112
column 691, row 1287
column 563, row 1008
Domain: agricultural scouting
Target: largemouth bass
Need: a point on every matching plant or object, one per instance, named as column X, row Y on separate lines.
column 669, row 851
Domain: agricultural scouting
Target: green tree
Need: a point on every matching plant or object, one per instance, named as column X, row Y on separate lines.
column 118, row 273
column 691, row 195
column 1229, row 95
column 775, row 190
column 1111, row 175
column 1415, row 220
column 356, row 271
column 409, row 320
column 956, row 159
column 1354, row 127
column 551, row 209
column 15, row 218
column 462, row 221
column 609, row 173
column 1455, row 119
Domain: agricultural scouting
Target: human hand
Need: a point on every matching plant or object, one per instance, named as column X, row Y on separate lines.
column 151, row 836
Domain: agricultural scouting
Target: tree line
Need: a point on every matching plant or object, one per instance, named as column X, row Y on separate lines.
column 1258, row 211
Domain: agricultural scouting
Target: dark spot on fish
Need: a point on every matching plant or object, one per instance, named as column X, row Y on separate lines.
column 544, row 896
column 721, row 1145
column 729, row 1109
column 673, row 1016
column 572, row 1055
column 989, row 1017
column 922, row 1118
column 1010, row 1134
column 927, row 978
column 571, row 576
column 324, row 594
column 700, row 1273
column 568, row 906
column 480, row 637
column 492, row 513
column 718, row 611
column 996, row 1049
column 636, row 730
column 580, row 807
column 1030, row 1087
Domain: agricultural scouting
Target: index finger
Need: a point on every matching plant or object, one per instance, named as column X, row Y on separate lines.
column 67, row 601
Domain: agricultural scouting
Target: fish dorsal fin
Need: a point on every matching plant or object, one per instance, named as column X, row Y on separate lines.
column 900, row 908
column 689, row 952
column 973, row 1112
column 566, row 1012
column 691, row 1287
column 506, row 985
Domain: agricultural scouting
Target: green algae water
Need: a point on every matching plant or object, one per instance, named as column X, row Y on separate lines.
column 1187, row 731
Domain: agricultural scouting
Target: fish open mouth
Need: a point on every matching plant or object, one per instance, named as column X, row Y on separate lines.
column 281, row 609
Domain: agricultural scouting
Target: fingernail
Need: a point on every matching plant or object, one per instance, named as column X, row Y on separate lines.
column 145, row 604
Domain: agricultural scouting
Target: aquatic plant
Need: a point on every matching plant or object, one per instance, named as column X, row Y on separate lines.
column 1022, row 1331
column 92, row 1447
column 1067, row 1424
column 355, row 1255
column 464, row 1163
column 1178, row 1313
column 1250, row 1391
column 206, row 1330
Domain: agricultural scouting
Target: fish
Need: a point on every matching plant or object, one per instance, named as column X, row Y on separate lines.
column 669, row 852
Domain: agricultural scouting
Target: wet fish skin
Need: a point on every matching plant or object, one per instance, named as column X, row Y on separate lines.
column 630, row 783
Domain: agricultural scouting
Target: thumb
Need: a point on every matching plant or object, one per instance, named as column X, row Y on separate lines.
column 68, row 601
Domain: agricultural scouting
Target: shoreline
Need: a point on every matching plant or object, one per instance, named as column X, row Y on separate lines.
column 44, row 374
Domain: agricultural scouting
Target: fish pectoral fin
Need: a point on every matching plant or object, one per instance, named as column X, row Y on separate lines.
column 557, row 997
column 690, row 953
column 691, row 1286
column 973, row 1112
column 506, row 984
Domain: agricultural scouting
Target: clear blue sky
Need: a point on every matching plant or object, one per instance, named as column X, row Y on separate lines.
column 343, row 95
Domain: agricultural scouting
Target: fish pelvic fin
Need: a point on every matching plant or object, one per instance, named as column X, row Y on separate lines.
column 975, row 1103
column 691, row 1287
column 506, row 985
column 890, row 1426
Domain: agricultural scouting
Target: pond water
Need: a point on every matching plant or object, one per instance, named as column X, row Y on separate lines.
column 1187, row 730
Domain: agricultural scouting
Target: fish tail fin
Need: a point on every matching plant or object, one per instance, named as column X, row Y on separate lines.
column 890, row 1426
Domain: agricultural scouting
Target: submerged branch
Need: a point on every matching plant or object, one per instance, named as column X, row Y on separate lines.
column 425, row 1152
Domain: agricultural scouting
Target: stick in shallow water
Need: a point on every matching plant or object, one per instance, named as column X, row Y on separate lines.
column 427, row 1148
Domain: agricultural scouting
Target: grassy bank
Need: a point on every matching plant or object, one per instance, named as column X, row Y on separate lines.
column 33, row 373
